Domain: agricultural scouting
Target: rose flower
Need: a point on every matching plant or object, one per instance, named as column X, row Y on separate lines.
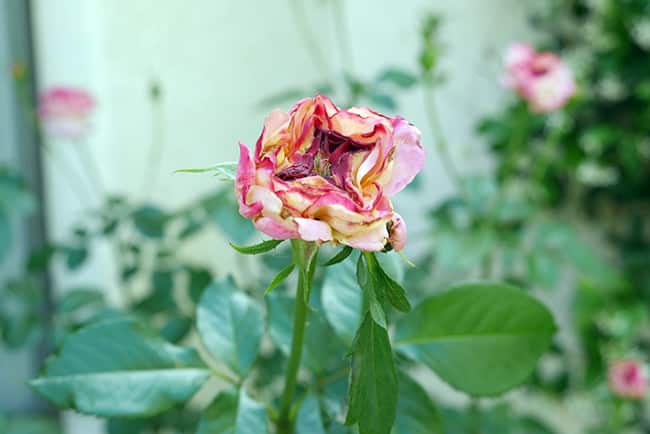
column 321, row 173
column 65, row 111
column 542, row 79
column 628, row 379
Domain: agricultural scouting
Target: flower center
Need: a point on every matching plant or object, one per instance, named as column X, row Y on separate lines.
column 323, row 157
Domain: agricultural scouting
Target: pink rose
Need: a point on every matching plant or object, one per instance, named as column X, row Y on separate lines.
column 65, row 111
column 542, row 79
column 628, row 379
column 322, row 174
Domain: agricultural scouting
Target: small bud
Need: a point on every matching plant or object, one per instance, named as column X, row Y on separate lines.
column 18, row 71
column 155, row 90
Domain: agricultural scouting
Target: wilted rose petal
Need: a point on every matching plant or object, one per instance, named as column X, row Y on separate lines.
column 542, row 79
column 321, row 173
column 628, row 379
column 65, row 112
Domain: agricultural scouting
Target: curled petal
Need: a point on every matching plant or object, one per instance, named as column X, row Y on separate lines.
column 313, row 230
column 371, row 238
column 243, row 181
column 276, row 228
column 271, row 203
column 409, row 157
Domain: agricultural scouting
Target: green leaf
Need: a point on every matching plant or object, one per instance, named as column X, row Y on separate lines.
column 373, row 381
column 309, row 420
column 341, row 299
column 263, row 247
column 79, row 298
column 117, row 369
column 30, row 424
column 21, row 312
column 226, row 171
column 277, row 280
column 339, row 257
column 481, row 338
column 5, row 235
column 150, row 221
column 233, row 412
column 230, row 324
column 398, row 76
column 176, row 328
column 382, row 100
column 416, row 412
column 387, row 285
column 199, row 279
column 162, row 280
column 543, row 269
column 14, row 194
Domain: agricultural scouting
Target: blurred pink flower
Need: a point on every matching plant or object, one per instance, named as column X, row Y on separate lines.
column 65, row 111
column 628, row 379
column 321, row 173
column 542, row 79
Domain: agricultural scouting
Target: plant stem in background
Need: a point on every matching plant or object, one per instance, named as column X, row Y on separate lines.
column 91, row 167
column 439, row 136
column 303, row 252
column 157, row 140
column 343, row 36
column 474, row 416
column 617, row 421
column 309, row 37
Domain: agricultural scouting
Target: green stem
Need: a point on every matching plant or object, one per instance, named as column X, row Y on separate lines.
column 91, row 167
column 475, row 417
column 617, row 420
column 302, row 254
column 342, row 35
column 156, row 147
column 439, row 137
column 309, row 37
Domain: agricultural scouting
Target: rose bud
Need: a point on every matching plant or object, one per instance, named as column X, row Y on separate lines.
column 65, row 112
column 320, row 173
column 628, row 379
column 542, row 79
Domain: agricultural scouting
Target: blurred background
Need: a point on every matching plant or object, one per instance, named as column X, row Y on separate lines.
column 94, row 219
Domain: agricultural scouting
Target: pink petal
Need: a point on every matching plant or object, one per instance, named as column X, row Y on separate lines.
column 409, row 157
column 371, row 238
column 313, row 230
column 277, row 229
column 518, row 54
column 243, row 181
column 271, row 203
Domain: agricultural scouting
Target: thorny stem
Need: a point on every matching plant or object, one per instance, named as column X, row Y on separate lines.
column 303, row 252
column 439, row 136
